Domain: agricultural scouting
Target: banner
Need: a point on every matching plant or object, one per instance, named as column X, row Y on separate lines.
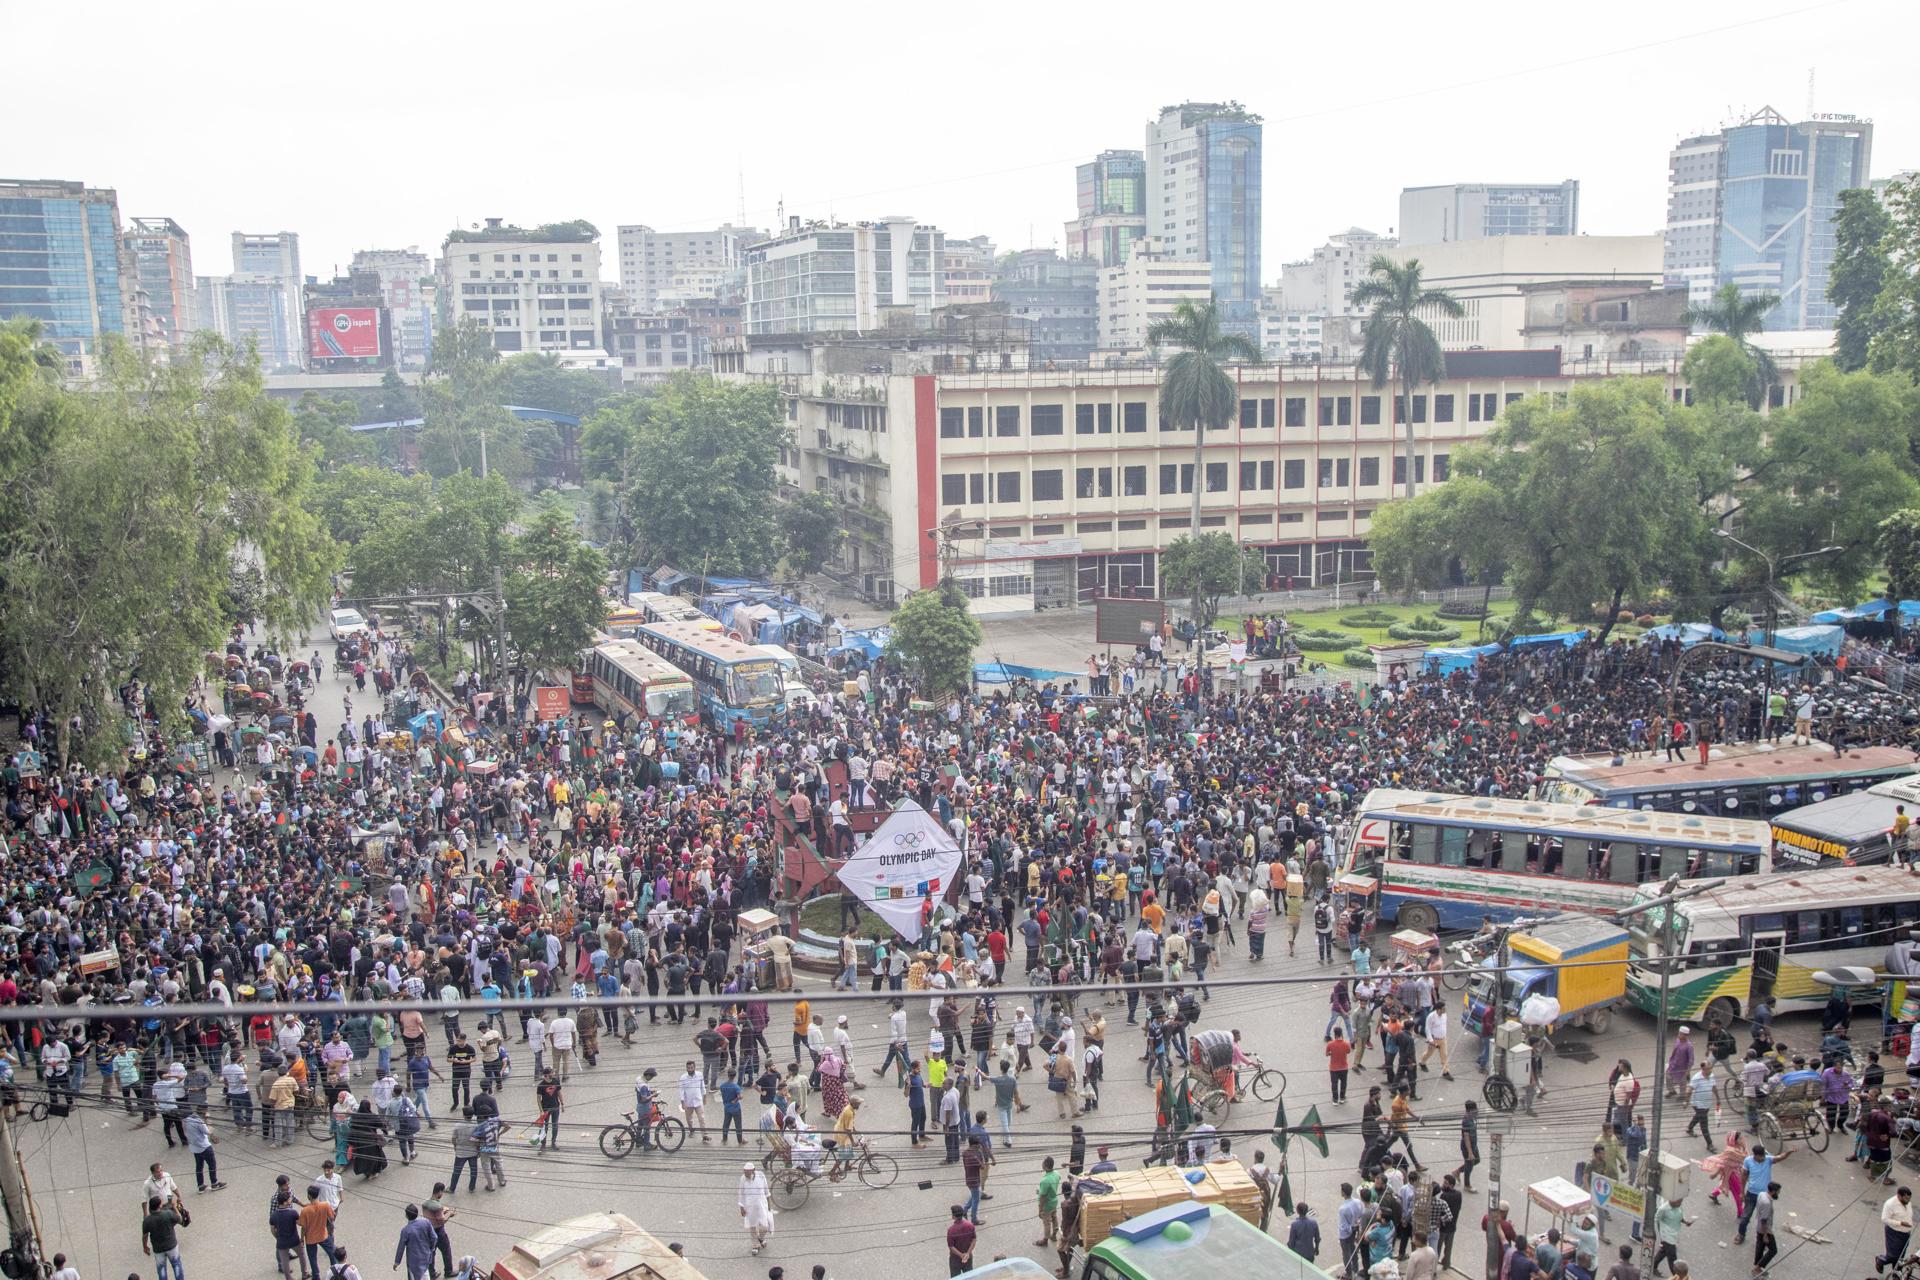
column 550, row 702
column 909, row 858
column 335, row 333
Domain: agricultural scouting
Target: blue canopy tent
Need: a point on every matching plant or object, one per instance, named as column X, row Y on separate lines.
column 1007, row 672
column 1565, row 639
column 1809, row 640
column 1865, row 609
column 868, row 644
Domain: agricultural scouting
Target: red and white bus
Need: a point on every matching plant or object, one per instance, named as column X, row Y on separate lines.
column 631, row 683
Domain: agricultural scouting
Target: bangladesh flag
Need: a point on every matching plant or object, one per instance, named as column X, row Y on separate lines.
column 350, row 884
column 92, row 877
column 1313, row 1131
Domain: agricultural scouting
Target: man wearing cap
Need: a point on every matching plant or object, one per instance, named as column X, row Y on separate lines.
column 756, row 1213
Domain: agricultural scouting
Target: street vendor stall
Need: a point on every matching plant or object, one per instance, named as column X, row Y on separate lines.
column 1563, row 1201
column 756, row 926
column 1352, row 891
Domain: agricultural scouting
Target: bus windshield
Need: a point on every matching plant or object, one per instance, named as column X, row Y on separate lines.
column 756, row 683
column 671, row 700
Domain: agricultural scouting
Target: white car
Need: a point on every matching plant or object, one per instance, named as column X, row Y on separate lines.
column 346, row 622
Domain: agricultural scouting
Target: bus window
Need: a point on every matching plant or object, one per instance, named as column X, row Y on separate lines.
column 1714, row 862
column 1674, row 861
column 1399, row 841
column 1513, row 851
column 1453, row 846
column 1554, row 858
column 1483, row 848
column 1426, row 845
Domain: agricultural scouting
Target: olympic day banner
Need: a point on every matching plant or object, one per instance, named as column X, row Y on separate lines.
column 908, row 857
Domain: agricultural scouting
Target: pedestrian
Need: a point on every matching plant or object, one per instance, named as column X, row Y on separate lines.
column 1700, row 1095
column 973, row 1169
column 1339, row 1053
column 284, row 1221
column 415, row 1246
column 1303, row 1233
column 201, row 1142
column 549, row 1097
column 159, row 1238
column 1048, row 1192
column 1757, row 1172
column 960, row 1238
column 1765, row 1246
column 1896, row 1223
column 756, row 1207
column 316, row 1229
column 1668, row 1220
column 1469, row 1144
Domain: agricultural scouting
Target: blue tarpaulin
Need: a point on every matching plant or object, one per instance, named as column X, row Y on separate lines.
column 666, row 578
column 1821, row 640
column 870, row 643
column 426, row 724
column 1449, row 660
column 1687, row 633
column 1865, row 609
column 1006, row 672
column 1566, row 639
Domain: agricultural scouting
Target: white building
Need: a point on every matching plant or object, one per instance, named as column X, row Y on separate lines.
column 1144, row 289
column 653, row 263
column 536, row 290
column 1693, row 216
column 262, row 302
column 833, row 277
column 1291, row 336
column 1490, row 277
column 406, row 285
column 968, row 268
column 1476, row 210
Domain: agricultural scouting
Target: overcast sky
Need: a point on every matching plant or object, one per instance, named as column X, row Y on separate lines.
column 384, row 125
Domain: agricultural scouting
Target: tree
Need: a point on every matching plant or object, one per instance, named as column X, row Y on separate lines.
column 554, row 601
column 1740, row 316
column 1398, row 341
column 934, row 635
column 1861, row 229
column 702, row 487
column 133, row 514
column 356, row 499
column 539, row 380
column 1837, row 462
column 1421, row 543
column 1719, row 371
column 1195, row 390
column 466, row 426
column 811, row 532
column 1897, row 539
column 1208, row 567
column 1895, row 347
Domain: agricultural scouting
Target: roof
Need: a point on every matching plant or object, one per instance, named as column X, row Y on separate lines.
column 1583, row 821
column 1858, row 816
column 597, row 1246
column 1503, row 364
column 701, row 636
column 1748, row 762
column 1836, row 886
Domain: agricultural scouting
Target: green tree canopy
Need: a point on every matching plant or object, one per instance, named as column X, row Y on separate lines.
column 554, row 601
column 1897, row 539
column 701, row 492
column 1208, row 567
column 1861, row 230
column 934, row 636
column 135, row 512
column 1398, row 341
column 1895, row 345
column 1740, row 316
column 810, row 530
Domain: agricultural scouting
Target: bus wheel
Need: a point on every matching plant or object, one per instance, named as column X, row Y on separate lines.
column 1419, row 917
column 1723, row 1011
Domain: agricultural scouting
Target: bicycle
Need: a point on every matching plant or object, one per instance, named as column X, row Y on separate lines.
column 659, row 1132
column 1266, row 1083
column 791, row 1184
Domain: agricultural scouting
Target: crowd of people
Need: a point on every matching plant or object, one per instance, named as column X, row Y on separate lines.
column 1121, row 840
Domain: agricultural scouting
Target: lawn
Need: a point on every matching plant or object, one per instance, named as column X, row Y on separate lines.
column 1375, row 632
column 822, row 915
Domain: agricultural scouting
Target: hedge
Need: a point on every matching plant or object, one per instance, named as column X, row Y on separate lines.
column 1367, row 618
column 1361, row 658
column 1316, row 640
column 1432, row 632
column 1464, row 610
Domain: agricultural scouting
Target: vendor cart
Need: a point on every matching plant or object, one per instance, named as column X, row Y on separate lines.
column 756, row 926
column 1563, row 1201
column 1348, row 892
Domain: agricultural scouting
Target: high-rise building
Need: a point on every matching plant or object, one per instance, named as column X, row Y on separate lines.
column 682, row 264
column 262, row 302
column 163, row 263
column 1143, row 290
column 967, row 266
column 1476, row 210
column 63, row 263
column 1753, row 205
column 1058, row 297
column 1111, row 200
column 1202, row 168
column 536, row 290
column 405, row 283
column 834, row 276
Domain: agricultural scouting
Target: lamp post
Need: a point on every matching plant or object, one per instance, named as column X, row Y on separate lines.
column 1773, row 564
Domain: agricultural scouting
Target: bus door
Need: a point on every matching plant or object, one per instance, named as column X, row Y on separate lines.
column 1767, row 950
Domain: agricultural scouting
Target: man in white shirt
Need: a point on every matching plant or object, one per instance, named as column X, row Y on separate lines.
column 1437, row 1041
column 537, row 1043
column 693, row 1101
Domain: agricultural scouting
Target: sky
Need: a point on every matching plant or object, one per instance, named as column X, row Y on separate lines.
column 365, row 125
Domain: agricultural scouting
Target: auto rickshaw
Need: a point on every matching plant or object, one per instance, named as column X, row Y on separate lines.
column 299, row 670
column 238, row 697
column 262, row 702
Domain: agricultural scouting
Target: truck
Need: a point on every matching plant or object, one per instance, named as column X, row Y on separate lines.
column 1186, row 1240
column 1578, row 961
column 596, row 1246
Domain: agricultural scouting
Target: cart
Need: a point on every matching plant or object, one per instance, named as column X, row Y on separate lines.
column 756, row 926
column 1420, row 948
column 1349, row 892
column 1563, row 1202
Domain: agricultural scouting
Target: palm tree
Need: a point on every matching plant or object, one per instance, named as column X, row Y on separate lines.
column 1194, row 388
column 1398, row 340
column 1740, row 315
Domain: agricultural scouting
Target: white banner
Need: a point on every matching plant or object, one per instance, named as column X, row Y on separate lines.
column 909, row 858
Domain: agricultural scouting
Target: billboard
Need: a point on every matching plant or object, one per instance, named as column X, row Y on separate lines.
column 1117, row 621
column 343, row 333
column 551, row 702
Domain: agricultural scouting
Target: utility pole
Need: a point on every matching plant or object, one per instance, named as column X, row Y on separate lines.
column 1670, row 894
column 21, row 1236
column 499, row 605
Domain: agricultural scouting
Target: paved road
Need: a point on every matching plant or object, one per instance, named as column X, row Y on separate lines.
column 85, row 1171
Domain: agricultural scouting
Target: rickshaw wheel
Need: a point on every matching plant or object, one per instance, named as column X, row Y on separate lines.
column 1818, row 1135
column 1500, row 1094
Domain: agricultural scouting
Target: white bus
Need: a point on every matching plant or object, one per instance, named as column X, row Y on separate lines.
column 1769, row 935
column 632, row 683
column 1444, row 861
column 656, row 606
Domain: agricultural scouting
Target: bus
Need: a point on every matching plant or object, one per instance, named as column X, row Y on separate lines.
column 1739, row 780
column 736, row 681
column 621, row 620
column 1769, row 935
column 1189, row 1240
column 655, row 606
column 1444, row 861
column 632, row 683
column 1851, row 829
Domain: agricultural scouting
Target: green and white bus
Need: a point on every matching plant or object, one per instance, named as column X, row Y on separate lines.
column 1768, row 935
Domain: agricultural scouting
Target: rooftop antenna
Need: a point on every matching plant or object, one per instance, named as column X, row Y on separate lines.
column 1810, row 93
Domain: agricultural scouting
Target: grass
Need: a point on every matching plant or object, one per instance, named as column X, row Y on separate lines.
column 1332, row 620
column 822, row 915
